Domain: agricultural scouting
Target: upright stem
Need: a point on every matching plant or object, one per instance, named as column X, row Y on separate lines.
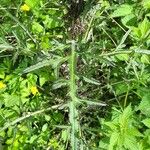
column 72, row 69
column 73, row 112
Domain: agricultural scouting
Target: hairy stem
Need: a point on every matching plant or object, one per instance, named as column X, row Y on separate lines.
column 73, row 112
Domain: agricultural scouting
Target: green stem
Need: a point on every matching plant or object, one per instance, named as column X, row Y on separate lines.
column 72, row 70
column 126, row 97
column 73, row 112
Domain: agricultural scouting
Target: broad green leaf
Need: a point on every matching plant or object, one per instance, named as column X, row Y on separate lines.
column 65, row 135
column 24, row 100
column 32, row 79
column 33, row 138
column 45, row 42
column 2, row 134
column 122, row 10
column 113, row 140
column 129, row 20
column 146, row 4
column 146, row 122
column 47, row 117
column 144, row 27
column 10, row 131
column 44, row 128
column 125, row 117
column 23, row 128
column 2, row 74
column 52, row 22
column 130, row 143
column 112, row 125
column 133, row 131
column 11, row 100
column 142, row 30
column 37, row 27
column 9, row 141
column 136, row 32
column 105, row 4
column 45, row 76
column 32, row 3
column 42, row 80
column 24, row 90
column 142, row 90
column 145, row 59
column 148, row 15
column 103, row 143
column 121, row 88
column 7, row 113
column 144, row 106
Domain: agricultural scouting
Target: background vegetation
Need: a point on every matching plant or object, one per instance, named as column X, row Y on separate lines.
column 75, row 75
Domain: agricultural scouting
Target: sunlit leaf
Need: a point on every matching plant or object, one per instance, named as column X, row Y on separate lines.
column 44, row 128
column 145, row 59
column 113, row 140
column 129, row 20
column 122, row 10
column 144, row 27
column 146, row 4
column 144, row 104
column 37, row 27
column 32, row 3
column 11, row 100
column 146, row 122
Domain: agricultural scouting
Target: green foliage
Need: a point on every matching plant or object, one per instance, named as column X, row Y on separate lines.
column 122, row 131
column 122, row 10
column 70, row 82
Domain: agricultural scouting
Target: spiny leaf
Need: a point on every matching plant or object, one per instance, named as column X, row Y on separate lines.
column 44, row 63
column 38, row 66
column 92, row 81
column 59, row 84
column 88, row 102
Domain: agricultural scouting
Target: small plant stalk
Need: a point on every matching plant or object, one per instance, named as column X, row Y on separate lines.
column 73, row 112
